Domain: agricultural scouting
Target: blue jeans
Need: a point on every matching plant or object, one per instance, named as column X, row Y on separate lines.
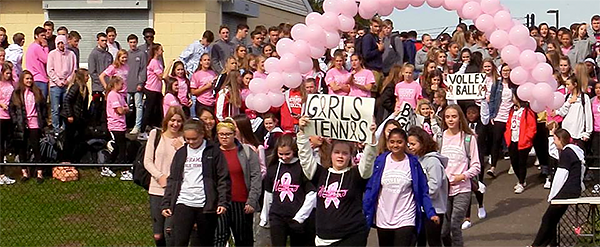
column 57, row 95
column 43, row 86
column 139, row 107
column 193, row 108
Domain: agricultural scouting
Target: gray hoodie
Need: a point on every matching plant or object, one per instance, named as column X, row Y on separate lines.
column 393, row 52
column 14, row 54
column 98, row 61
column 434, row 165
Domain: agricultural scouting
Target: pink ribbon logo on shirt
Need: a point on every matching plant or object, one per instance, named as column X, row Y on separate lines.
column 286, row 188
column 332, row 194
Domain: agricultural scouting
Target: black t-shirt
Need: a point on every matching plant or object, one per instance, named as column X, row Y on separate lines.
column 291, row 187
column 339, row 208
column 572, row 187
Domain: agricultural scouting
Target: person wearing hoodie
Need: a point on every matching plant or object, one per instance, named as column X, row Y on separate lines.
column 135, row 80
column 98, row 61
column 36, row 58
column 421, row 56
column 577, row 112
column 61, row 68
column 221, row 50
column 393, row 52
column 567, row 184
column 421, row 144
column 14, row 53
column 594, row 28
column 73, row 44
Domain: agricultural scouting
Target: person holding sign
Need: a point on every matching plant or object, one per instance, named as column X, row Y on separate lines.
column 395, row 194
column 361, row 80
column 337, row 77
column 340, row 218
column 408, row 90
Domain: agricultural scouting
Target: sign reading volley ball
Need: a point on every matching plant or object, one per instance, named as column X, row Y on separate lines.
column 466, row 86
column 340, row 117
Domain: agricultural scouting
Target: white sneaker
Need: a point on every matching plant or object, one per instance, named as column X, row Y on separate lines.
column 466, row 225
column 143, row 136
column 482, row 187
column 107, row 172
column 134, row 131
column 519, row 189
column 489, row 159
column 516, row 185
column 532, row 152
column 511, row 171
column 5, row 180
column 481, row 213
column 537, row 162
column 126, row 176
column 548, row 184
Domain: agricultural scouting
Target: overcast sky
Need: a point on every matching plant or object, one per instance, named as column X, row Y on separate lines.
column 430, row 20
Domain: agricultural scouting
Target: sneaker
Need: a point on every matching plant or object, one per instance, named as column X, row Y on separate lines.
column 5, row 180
column 537, row 162
column 481, row 213
column 466, row 225
column 135, row 131
column 506, row 157
column 519, row 189
column 492, row 172
column 143, row 137
column 489, row 159
column 517, row 185
column 482, row 187
column 511, row 171
column 532, row 152
column 126, row 176
column 107, row 172
column 548, row 184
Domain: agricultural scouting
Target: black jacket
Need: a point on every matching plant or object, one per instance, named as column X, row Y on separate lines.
column 19, row 116
column 217, row 184
column 75, row 104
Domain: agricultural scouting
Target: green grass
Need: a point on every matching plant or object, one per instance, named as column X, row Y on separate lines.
column 94, row 211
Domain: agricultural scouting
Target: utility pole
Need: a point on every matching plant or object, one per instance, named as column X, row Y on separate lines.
column 555, row 12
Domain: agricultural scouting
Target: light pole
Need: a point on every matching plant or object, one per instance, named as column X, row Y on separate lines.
column 555, row 12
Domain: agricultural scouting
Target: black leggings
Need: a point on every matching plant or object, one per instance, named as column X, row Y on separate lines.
column 5, row 132
column 237, row 222
column 547, row 233
column 497, row 139
column 479, row 197
column 153, row 114
column 518, row 159
column 431, row 233
column 403, row 236
column 185, row 217
column 356, row 239
column 74, row 137
column 31, row 141
column 300, row 234
column 540, row 143
column 119, row 153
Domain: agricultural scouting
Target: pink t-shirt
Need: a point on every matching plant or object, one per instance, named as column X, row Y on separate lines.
column 453, row 147
column 6, row 90
column 338, row 76
column 115, row 121
column 408, row 92
column 121, row 72
column 557, row 118
column 200, row 79
column 363, row 77
column 32, row 114
column 596, row 113
column 154, row 69
column 260, row 75
column 396, row 203
column 245, row 92
column 169, row 101
column 182, row 93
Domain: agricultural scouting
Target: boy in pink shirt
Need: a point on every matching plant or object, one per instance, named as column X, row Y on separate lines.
column 62, row 64
column 36, row 59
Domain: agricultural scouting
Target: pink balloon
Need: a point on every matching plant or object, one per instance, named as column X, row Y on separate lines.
column 543, row 94
column 510, row 54
column 365, row 14
column 292, row 80
column 331, row 22
column 402, row 4
column 289, row 63
column 332, row 39
column 284, row 46
column 519, row 75
column 540, row 57
column 518, row 35
column 249, row 101
column 386, row 7
column 531, row 44
column 317, row 52
column 454, row 4
column 300, row 49
column 367, row 9
column 435, row 3
column 525, row 91
column 261, row 103
column 346, row 23
column 528, row 59
column 417, row 3
column 503, row 20
column 542, row 72
column 553, row 84
column 485, row 23
column 299, row 31
column 471, row 10
column 499, row 39
column 348, row 7
column 272, row 65
column 537, row 106
column 258, row 85
column 557, row 100
column 274, row 81
column 305, row 64
column 315, row 35
column 276, row 98
column 490, row 7
column 313, row 18
column 331, row 6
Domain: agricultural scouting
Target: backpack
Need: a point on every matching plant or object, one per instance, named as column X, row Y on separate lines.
column 48, row 148
column 141, row 176
column 467, row 147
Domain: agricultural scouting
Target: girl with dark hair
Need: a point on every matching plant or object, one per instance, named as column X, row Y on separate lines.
column 361, row 80
column 290, row 197
column 3, row 38
column 468, row 64
column 183, row 86
column 229, row 100
column 153, row 89
column 421, row 144
column 382, row 133
column 6, row 90
column 28, row 112
column 387, row 99
column 429, row 67
column 210, row 122
column 247, row 76
column 577, row 112
column 431, row 84
column 203, row 81
column 171, row 99
column 500, row 103
column 543, row 31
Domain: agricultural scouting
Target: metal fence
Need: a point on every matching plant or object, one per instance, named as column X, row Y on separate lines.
column 580, row 226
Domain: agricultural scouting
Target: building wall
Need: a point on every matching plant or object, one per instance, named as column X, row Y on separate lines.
column 21, row 16
column 272, row 17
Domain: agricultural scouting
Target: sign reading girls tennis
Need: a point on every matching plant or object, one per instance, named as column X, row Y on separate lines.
column 466, row 86
column 340, row 117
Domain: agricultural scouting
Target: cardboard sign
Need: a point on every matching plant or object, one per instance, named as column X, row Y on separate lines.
column 340, row 117
column 407, row 117
column 466, row 86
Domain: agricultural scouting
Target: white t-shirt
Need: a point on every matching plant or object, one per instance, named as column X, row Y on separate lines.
column 192, row 188
column 396, row 202
column 505, row 104
column 515, row 122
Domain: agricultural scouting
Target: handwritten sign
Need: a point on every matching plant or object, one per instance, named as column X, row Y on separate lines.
column 466, row 86
column 340, row 117
column 407, row 116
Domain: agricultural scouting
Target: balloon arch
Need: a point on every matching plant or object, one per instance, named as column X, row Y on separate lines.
column 321, row 31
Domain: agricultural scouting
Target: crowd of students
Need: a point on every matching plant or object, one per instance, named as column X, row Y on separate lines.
column 215, row 163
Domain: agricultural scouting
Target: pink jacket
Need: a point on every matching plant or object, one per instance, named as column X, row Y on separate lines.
column 61, row 64
column 36, row 59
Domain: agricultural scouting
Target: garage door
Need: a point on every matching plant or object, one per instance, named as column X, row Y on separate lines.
column 89, row 22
